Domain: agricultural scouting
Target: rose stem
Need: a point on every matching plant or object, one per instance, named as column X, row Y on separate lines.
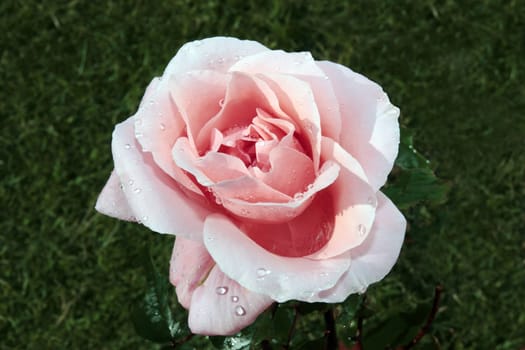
column 435, row 305
column 330, row 333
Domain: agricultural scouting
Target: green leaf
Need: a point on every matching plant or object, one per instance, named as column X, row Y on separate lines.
column 397, row 330
column 152, row 316
column 415, row 185
column 408, row 157
column 413, row 180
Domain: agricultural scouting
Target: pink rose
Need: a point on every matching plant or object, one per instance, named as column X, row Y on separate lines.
column 267, row 166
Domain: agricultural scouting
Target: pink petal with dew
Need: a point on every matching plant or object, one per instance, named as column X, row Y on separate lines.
column 209, row 169
column 253, row 200
column 375, row 257
column 256, row 269
column 220, row 306
column 189, row 266
column 197, row 95
column 370, row 128
column 112, row 201
column 153, row 196
column 298, row 236
column 290, row 171
column 297, row 101
column 157, row 125
column 218, row 54
column 244, row 95
column 354, row 203
column 302, row 66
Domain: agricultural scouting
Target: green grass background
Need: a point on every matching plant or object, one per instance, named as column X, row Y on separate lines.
column 70, row 70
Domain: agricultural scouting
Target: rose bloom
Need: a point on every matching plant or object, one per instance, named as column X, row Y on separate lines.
column 267, row 166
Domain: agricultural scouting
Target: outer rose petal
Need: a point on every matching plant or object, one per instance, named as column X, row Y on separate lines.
column 153, row 196
column 370, row 130
column 372, row 260
column 354, row 203
column 217, row 53
column 112, row 201
column 157, row 125
column 220, row 306
column 258, row 270
column 189, row 265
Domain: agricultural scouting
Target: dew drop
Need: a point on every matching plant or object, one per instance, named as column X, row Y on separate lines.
column 127, row 146
column 121, row 186
column 145, row 218
column 197, row 43
column 130, row 182
column 138, row 134
column 235, row 299
column 137, row 190
column 221, row 102
column 262, row 272
column 298, row 196
column 221, row 290
column 162, row 126
column 151, row 102
column 323, row 274
column 361, row 229
column 239, row 310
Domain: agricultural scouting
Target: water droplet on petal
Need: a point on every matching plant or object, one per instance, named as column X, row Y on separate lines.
column 262, row 272
column 323, row 274
column 138, row 134
column 361, row 229
column 127, row 146
column 130, row 182
column 235, row 299
column 151, row 102
column 121, row 186
column 144, row 218
column 162, row 126
column 298, row 196
column 221, row 290
column 137, row 190
column 221, row 102
column 197, row 43
column 239, row 310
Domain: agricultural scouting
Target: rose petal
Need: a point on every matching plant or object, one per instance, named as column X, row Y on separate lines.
column 220, row 306
column 112, row 202
column 157, row 125
column 211, row 168
column 250, row 198
column 302, row 66
column 291, row 171
column 372, row 260
column 244, row 95
column 298, row 236
column 297, row 101
column 218, row 54
column 196, row 109
column 260, row 271
column 280, row 62
column 190, row 264
column 370, row 129
column 153, row 196
column 354, row 203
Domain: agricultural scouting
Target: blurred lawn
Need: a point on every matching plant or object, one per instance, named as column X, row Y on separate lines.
column 71, row 70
